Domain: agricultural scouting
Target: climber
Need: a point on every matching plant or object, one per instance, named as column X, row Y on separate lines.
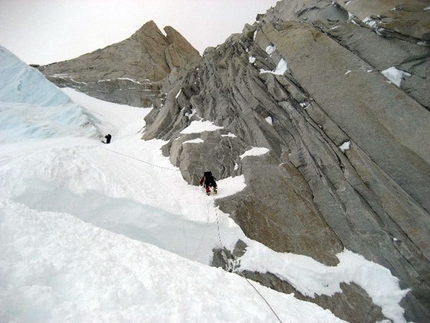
column 208, row 181
column 108, row 138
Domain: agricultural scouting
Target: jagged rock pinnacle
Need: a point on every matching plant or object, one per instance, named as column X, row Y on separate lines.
column 147, row 56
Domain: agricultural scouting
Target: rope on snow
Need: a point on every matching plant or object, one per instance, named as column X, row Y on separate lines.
column 140, row 160
column 240, row 273
column 218, row 226
column 166, row 188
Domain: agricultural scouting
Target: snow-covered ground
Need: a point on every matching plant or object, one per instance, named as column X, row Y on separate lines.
column 112, row 233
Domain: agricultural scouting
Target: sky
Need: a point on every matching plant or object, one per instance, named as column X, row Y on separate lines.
column 91, row 232
column 47, row 31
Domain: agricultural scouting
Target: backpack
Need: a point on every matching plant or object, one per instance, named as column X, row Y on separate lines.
column 208, row 176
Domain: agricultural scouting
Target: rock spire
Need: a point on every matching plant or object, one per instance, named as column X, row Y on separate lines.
column 129, row 71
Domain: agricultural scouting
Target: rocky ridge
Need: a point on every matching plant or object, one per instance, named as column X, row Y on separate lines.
column 128, row 72
column 338, row 94
column 347, row 166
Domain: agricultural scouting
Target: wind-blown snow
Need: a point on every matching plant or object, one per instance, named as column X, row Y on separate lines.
column 200, row 126
column 370, row 22
column 395, row 75
column 280, row 69
column 194, row 141
column 270, row 49
column 111, row 233
column 269, row 120
column 303, row 273
column 345, row 146
column 255, row 151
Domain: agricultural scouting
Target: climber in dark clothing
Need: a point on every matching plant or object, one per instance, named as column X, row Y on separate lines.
column 108, row 138
column 208, row 181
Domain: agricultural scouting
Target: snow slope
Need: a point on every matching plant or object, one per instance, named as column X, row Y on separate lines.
column 111, row 233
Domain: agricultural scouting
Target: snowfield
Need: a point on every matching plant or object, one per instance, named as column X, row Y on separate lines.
column 91, row 232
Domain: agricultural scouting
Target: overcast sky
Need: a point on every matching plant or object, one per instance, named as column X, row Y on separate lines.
column 47, row 31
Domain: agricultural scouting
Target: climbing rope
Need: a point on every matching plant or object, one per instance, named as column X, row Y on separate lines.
column 232, row 266
column 165, row 187
column 265, row 300
column 202, row 236
column 140, row 160
column 219, row 231
column 218, row 228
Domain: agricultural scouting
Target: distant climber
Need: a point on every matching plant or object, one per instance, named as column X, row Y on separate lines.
column 108, row 138
column 208, row 181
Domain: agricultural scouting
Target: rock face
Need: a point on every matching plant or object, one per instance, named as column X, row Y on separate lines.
column 128, row 72
column 348, row 164
column 338, row 94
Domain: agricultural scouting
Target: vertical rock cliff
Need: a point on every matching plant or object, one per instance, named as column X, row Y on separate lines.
column 338, row 93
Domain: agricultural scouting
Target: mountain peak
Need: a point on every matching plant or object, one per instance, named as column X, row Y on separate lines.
column 146, row 56
column 149, row 29
column 179, row 51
